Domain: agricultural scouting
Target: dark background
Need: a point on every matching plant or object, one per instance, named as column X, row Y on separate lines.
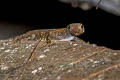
column 101, row 28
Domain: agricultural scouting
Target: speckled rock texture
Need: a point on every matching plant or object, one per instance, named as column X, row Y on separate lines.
column 111, row 6
column 72, row 60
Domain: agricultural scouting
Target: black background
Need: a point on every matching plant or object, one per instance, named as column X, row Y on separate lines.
column 101, row 28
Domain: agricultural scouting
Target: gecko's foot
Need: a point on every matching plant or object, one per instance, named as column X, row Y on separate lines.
column 76, row 39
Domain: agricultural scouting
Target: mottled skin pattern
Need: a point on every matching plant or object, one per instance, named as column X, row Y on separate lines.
column 63, row 34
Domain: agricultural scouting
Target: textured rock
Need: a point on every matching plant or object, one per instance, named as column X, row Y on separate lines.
column 74, row 60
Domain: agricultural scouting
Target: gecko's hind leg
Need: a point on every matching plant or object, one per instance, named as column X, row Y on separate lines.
column 47, row 42
column 31, row 57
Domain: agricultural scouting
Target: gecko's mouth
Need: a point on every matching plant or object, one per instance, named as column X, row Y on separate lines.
column 78, row 34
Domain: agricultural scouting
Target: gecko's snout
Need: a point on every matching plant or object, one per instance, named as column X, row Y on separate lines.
column 76, row 29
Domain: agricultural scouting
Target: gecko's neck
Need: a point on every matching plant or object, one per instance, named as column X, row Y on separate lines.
column 68, row 36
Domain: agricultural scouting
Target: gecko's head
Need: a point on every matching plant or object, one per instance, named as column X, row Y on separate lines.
column 76, row 29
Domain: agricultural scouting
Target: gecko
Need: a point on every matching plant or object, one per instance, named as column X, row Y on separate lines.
column 52, row 35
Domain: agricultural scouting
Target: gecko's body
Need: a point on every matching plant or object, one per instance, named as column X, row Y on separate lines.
column 63, row 34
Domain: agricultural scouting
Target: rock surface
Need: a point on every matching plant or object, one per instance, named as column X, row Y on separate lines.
column 74, row 60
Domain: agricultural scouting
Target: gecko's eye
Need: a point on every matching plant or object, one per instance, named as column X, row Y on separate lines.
column 82, row 27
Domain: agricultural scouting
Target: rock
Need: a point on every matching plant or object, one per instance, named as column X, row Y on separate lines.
column 74, row 60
